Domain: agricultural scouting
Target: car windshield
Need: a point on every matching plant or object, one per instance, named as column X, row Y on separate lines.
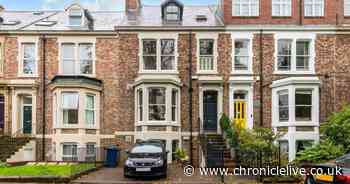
column 146, row 148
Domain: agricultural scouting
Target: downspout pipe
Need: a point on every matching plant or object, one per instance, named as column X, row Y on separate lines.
column 43, row 97
column 190, row 92
column 261, row 58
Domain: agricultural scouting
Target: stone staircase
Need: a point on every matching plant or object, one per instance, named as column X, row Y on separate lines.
column 217, row 153
column 10, row 145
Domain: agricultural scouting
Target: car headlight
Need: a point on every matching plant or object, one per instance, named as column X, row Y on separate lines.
column 129, row 163
column 159, row 162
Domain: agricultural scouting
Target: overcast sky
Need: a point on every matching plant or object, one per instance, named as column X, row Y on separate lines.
column 91, row 4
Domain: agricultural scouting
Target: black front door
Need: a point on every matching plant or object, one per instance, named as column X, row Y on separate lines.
column 27, row 119
column 210, row 110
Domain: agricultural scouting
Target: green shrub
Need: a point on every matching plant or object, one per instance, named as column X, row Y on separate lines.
column 322, row 152
column 181, row 154
column 225, row 122
column 337, row 128
column 3, row 165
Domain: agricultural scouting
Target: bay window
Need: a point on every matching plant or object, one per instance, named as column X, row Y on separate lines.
column 75, row 109
column 70, row 107
column 174, row 104
column 314, row 8
column 281, row 8
column 303, row 105
column 157, row 103
column 245, row 8
column 283, row 105
column 29, row 59
column 241, row 55
column 294, row 55
column 158, row 58
column 90, row 152
column 77, row 59
column 90, row 110
column 206, row 55
column 140, row 104
column 157, row 106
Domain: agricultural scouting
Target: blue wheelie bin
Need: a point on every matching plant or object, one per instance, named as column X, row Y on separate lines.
column 112, row 157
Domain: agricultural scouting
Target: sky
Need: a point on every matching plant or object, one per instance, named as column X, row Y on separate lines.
column 90, row 4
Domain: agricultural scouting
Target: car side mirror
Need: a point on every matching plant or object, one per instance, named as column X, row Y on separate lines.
column 167, row 152
column 127, row 152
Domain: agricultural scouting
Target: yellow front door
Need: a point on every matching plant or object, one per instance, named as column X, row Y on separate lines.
column 240, row 118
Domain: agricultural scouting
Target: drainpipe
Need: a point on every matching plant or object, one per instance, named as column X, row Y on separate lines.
column 190, row 91
column 261, row 79
column 301, row 12
column 44, row 97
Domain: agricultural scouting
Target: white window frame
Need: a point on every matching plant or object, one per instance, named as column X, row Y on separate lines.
column 76, row 43
column 165, row 103
column 281, row 4
column 291, row 99
column 70, row 156
column 89, row 109
column 76, row 8
column 248, row 3
column 62, row 109
column 313, row 4
column 91, row 155
column 145, row 97
column 158, row 36
column 346, row 8
column 248, row 37
column 58, row 113
column 204, row 36
column 31, row 40
column 294, row 37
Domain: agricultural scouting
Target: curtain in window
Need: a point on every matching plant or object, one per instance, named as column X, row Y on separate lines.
column 90, row 110
column 29, row 63
column 70, row 100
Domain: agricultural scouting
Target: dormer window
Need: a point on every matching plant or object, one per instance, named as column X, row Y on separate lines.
column 172, row 11
column 75, row 17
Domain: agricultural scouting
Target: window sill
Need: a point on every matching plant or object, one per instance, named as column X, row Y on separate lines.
column 158, row 123
column 245, row 72
column 157, row 72
column 28, row 76
column 76, row 127
column 294, row 124
column 281, row 17
column 313, row 17
column 207, row 72
column 245, row 17
column 294, row 73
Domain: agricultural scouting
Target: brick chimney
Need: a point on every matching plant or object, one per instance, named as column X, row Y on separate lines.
column 132, row 5
column 1, row 8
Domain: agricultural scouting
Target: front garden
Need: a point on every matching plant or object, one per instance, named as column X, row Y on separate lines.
column 45, row 171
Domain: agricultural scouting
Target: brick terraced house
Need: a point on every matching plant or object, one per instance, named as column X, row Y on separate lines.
column 85, row 79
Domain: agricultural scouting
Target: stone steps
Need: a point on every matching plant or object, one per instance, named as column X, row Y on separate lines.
column 10, row 145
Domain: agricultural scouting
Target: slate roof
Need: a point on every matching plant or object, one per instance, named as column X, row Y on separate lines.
column 147, row 17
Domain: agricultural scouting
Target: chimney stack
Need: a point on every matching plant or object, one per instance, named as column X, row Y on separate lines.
column 132, row 5
column 1, row 8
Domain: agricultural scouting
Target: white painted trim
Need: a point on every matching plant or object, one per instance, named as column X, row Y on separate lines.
column 57, row 113
column 207, row 35
column 17, row 123
column 295, row 80
column 27, row 39
column 76, row 41
column 243, row 36
column 294, row 37
column 158, row 36
column 168, row 121
column 291, row 85
column 220, row 90
column 249, row 89
column 83, row 17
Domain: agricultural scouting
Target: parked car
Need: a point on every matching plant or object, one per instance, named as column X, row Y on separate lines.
column 329, row 176
column 147, row 158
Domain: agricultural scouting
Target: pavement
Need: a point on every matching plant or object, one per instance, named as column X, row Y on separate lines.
column 175, row 175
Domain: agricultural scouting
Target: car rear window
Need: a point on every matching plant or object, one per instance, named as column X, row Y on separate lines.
column 146, row 149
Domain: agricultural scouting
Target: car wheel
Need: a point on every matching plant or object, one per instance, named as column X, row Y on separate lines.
column 310, row 180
